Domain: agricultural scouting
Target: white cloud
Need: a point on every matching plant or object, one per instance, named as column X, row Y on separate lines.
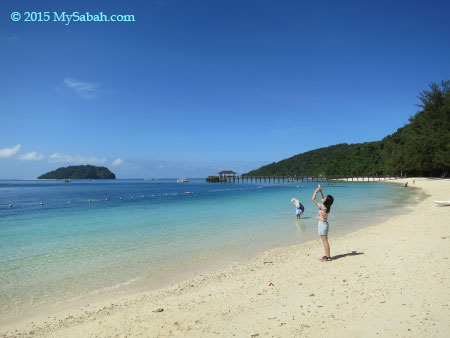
column 33, row 156
column 86, row 90
column 8, row 152
column 117, row 162
column 63, row 158
column 57, row 157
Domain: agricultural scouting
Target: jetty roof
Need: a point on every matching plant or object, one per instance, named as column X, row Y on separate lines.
column 227, row 172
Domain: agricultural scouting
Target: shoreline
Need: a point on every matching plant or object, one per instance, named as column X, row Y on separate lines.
column 265, row 267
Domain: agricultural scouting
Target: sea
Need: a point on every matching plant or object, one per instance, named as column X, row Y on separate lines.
column 61, row 242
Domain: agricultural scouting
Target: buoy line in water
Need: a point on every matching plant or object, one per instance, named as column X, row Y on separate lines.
column 11, row 205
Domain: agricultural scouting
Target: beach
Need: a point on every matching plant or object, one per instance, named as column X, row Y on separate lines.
column 386, row 280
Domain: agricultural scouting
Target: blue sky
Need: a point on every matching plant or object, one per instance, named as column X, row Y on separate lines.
column 193, row 87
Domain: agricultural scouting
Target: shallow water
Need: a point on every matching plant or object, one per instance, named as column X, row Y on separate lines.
column 133, row 229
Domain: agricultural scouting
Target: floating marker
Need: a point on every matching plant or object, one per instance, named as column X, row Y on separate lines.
column 10, row 205
column 42, row 203
column 89, row 201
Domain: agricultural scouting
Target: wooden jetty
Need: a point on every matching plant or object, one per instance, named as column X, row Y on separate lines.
column 229, row 176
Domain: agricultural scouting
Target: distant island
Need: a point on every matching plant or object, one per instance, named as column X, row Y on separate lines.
column 79, row 172
column 421, row 147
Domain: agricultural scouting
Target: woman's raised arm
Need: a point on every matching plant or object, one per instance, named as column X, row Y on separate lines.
column 314, row 196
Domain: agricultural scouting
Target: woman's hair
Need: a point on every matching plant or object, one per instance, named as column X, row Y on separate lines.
column 328, row 202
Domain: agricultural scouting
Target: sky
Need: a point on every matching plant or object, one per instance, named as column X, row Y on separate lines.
column 190, row 88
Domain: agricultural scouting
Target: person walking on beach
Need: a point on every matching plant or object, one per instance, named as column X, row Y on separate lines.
column 299, row 208
column 324, row 210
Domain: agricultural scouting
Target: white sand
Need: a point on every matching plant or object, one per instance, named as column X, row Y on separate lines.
column 389, row 280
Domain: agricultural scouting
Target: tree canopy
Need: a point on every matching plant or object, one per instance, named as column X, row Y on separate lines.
column 421, row 147
column 79, row 172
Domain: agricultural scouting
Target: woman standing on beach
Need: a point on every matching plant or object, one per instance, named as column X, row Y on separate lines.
column 324, row 210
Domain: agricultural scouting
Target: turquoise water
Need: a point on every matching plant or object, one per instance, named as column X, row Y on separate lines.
column 134, row 229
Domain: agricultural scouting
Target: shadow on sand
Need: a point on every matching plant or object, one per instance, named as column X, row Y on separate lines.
column 353, row 253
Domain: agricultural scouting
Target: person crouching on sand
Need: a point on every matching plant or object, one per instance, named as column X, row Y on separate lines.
column 299, row 208
column 324, row 210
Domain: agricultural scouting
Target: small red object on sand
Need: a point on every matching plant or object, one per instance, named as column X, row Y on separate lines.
column 271, row 284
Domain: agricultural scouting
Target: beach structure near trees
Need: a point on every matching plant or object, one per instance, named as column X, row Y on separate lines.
column 223, row 177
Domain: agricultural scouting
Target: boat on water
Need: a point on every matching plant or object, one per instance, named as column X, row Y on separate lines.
column 442, row 203
column 148, row 179
column 66, row 180
column 182, row 180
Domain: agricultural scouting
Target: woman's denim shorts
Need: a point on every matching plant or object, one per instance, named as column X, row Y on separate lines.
column 323, row 228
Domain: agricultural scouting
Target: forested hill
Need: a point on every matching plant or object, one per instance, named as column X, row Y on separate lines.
column 79, row 172
column 422, row 147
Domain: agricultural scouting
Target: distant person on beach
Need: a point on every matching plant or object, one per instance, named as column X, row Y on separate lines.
column 299, row 208
column 406, row 185
column 324, row 210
